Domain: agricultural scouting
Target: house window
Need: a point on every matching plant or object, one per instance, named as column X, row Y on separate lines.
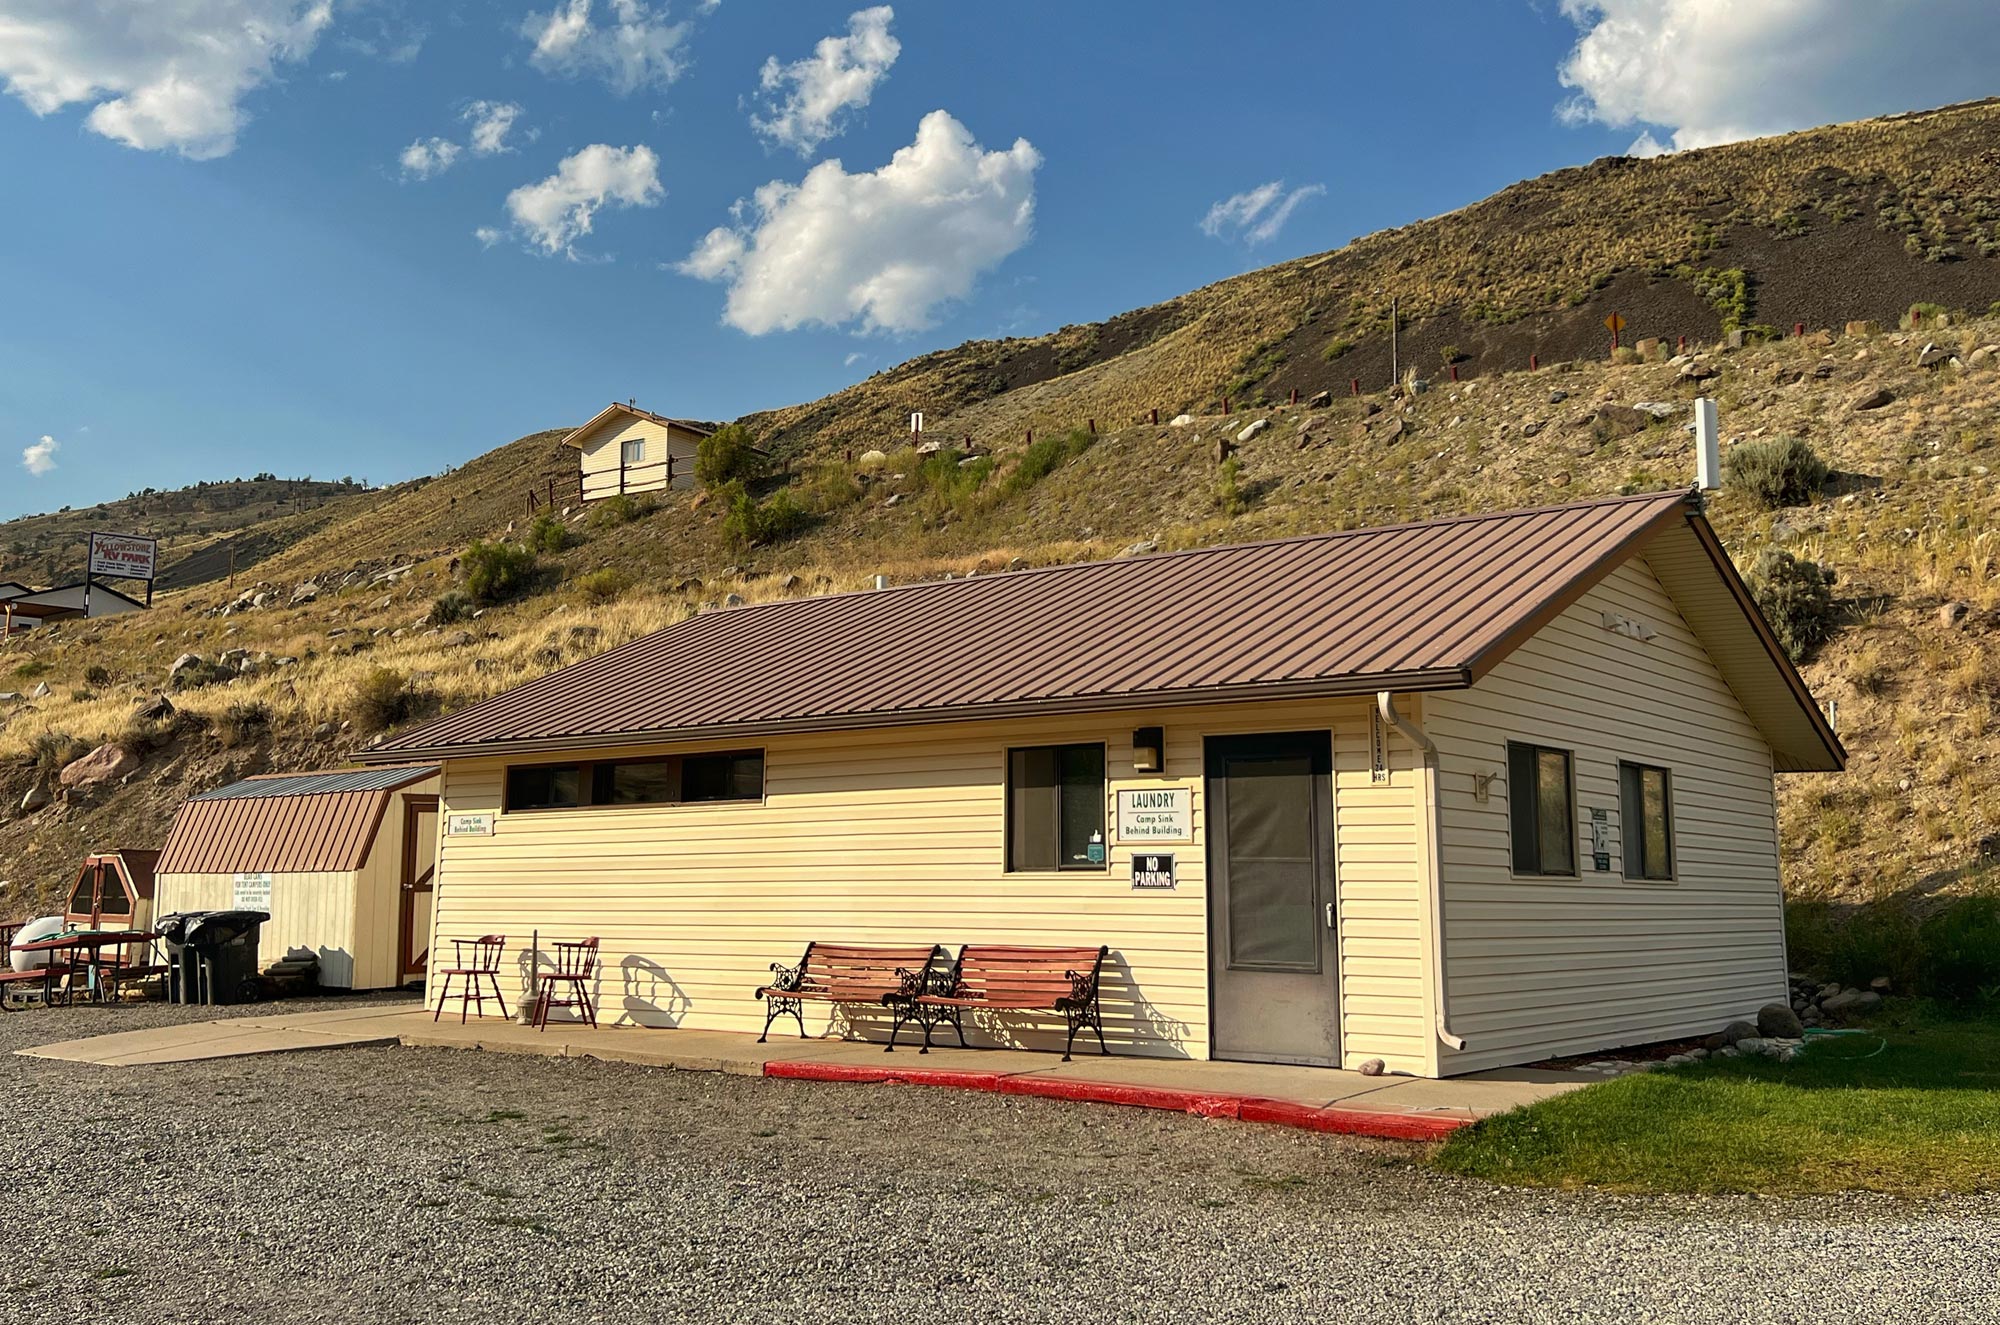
column 1646, row 821
column 1540, row 800
column 1055, row 808
column 632, row 452
column 736, row 775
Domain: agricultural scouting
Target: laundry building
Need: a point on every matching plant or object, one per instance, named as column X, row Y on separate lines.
column 1455, row 795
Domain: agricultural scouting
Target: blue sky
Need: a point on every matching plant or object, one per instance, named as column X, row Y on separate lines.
column 347, row 237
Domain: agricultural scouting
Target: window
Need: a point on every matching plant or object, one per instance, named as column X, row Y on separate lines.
column 632, row 452
column 1540, row 798
column 736, row 775
column 1055, row 808
column 1646, row 821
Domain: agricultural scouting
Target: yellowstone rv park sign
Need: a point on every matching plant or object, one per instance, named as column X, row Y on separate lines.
column 122, row 557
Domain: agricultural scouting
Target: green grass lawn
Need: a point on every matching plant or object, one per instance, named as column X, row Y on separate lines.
column 1911, row 1108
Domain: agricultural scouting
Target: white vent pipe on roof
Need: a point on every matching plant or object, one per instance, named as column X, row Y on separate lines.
column 1433, row 850
column 1707, row 446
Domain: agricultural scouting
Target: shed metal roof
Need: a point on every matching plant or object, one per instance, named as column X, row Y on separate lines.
column 319, row 784
column 1410, row 607
column 300, row 823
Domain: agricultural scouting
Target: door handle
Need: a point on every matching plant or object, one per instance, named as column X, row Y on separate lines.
column 1329, row 915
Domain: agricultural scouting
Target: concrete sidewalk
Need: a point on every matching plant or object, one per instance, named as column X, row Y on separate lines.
column 1322, row 1099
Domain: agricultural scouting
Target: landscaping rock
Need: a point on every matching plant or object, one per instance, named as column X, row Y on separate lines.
column 1851, row 1003
column 1739, row 1030
column 157, row 709
column 1658, row 409
column 1776, row 1021
column 1621, row 420
column 1373, row 1067
column 305, row 593
column 324, row 732
column 1180, row 421
column 1953, row 616
column 107, row 763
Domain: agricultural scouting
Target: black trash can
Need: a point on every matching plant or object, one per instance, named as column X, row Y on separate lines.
column 212, row 955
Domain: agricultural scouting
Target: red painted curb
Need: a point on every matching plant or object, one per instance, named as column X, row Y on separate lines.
column 1202, row 1104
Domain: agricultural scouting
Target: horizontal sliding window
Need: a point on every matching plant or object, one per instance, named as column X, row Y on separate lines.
column 736, row 775
column 1055, row 808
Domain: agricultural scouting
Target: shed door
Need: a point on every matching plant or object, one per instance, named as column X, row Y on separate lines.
column 420, row 840
column 1273, row 967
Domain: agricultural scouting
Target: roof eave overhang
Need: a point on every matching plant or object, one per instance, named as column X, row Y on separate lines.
column 1342, row 688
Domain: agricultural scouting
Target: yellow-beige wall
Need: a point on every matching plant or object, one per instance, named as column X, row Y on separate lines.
column 601, row 458
column 1541, row 966
column 351, row 921
column 896, row 835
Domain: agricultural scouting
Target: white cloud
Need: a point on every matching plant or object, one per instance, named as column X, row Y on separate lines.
column 1255, row 216
column 806, row 102
column 487, row 236
column 1715, row 71
column 427, row 157
column 637, row 48
column 39, row 458
column 491, row 122
column 885, row 247
column 556, row 212
column 161, row 75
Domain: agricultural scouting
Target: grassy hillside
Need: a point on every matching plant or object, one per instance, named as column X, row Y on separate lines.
column 1903, row 521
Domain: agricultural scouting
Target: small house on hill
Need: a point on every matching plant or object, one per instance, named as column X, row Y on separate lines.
column 627, row 450
column 1454, row 795
column 342, row 861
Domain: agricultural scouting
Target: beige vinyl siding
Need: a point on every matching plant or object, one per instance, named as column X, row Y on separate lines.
column 602, row 452
column 1539, row 966
column 898, row 835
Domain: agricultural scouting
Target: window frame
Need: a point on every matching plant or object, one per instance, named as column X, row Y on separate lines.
column 1532, row 801
column 587, row 771
column 623, row 461
column 1007, row 863
column 1628, row 822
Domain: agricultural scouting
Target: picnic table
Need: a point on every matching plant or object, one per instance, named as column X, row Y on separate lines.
column 84, row 952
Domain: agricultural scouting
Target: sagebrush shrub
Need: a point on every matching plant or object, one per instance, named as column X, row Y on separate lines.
column 1796, row 598
column 495, row 572
column 1781, row 472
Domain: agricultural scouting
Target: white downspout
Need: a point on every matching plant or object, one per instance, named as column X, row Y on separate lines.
column 1434, row 853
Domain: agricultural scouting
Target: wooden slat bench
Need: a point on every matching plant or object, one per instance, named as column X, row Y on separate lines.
column 848, row 973
column 1058, row 981
column 47, row 977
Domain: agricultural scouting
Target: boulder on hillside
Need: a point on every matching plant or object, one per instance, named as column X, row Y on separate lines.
column 107, row 763
column 1320, row 400
column 1874, row 398
column 1620, row 421
column 41, row 691
column 157, row 709
column 1252, row 429
column 37, row 798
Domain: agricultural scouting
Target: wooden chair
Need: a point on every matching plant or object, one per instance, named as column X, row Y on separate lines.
column 474, row 972
column 576, row 966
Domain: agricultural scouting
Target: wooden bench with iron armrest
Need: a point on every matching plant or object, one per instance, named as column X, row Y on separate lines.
column 847, row 973
column 1057, row 981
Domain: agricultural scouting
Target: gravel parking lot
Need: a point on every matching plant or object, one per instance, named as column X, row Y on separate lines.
column 404, row 1185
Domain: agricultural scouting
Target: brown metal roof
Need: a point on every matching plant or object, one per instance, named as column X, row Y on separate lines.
column 1410, row 607
column 232, row 831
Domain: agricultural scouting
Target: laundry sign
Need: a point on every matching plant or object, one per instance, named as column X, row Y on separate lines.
column 1156, row 814
column 251, row 892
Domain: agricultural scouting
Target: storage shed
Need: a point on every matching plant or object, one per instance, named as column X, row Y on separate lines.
column 1454, row 795
column 343, row 861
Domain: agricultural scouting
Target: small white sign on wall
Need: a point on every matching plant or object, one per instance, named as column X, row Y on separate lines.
column 1156, row 814
column 478, row 824
column 251, row 892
